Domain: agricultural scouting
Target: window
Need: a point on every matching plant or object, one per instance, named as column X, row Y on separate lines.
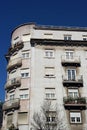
column 13, row 80
column 67, row 37
column 71, row 74
column 51, row 117
column 84, row 37
column 49, row 72
column 22, row 118
column 12, row 97
column 24, row 96
column 73, row 93
column 49, row 53
column 69, row 54
column 75, row 117
column 25, row 73
column 50, row 93
column 25, row 55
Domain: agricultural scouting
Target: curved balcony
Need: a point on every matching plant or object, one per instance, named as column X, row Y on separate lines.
column 15, row 47
column 74, row 61
column 74, row 103
column 78, row 81
column 13, row 83
column 15, row 63
column 11, row 104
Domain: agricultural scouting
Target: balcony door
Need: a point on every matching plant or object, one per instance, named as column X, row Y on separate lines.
column 71, row 74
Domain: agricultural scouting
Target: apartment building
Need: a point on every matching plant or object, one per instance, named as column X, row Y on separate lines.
column 46, row 63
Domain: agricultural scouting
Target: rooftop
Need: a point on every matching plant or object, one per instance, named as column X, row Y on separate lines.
column 52, row 27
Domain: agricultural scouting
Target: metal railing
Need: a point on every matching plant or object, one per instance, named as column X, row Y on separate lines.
column 74, row 100
column 70, row 59
column 13, row 82
column 11, row 104
column 78, row 78
column 14, row 62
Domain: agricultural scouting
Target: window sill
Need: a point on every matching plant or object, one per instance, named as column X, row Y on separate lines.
column 50, row 98
column 49, row 76
column 76, row 123
column 25, row 77
column 49, row 57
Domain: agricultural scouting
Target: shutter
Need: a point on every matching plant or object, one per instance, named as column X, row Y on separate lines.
column 22, row 118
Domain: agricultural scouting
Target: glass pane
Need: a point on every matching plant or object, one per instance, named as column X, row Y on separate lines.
column 51, row 54
column 75, row 94
column 78, row 119
column 71, row 55
column 69, row 37
column 67, row 55
column 69, row 74
column 72, row 119
column 70, row 94
column 65, row 37
column 73, row 74
column 53, row 119
column 48, row 119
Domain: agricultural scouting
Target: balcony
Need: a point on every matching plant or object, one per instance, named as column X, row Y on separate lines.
column 15, row 47
column 74, row 103
column 10, row 85
column 74, row 61
column 15, row 63
column 77, row 82
column 11, row 104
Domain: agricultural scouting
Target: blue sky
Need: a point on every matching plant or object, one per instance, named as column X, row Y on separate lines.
column 42, row 12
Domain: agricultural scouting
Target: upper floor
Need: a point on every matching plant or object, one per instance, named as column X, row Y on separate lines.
column 28, row 31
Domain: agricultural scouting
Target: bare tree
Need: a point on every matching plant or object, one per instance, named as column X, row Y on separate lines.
column 49, row 118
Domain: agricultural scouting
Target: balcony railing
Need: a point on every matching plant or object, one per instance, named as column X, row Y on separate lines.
column 14, row 64
column 78, row 81
column 11, row 104
column 74, row 61
column 74, row 103
column 16, row 83
column 17, row 46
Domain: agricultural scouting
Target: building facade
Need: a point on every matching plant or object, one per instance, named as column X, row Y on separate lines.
column 46, row 62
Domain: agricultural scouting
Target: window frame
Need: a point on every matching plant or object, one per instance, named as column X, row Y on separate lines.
column 49, row 72
column 25, row 75
column 51, row 117
column 67, row 37
column 25, row 115
column 51, row 92
column 69, row 54
column 70, row 75
column 25, row 55
column 76, row 117
column 22, row 96
column 49, row 53
column 84, row 37
column 73, row 91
